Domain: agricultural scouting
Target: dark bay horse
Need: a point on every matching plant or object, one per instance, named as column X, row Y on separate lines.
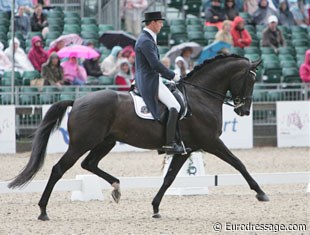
column 101, row 118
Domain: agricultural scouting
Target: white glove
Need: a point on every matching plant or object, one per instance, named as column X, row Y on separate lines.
column 177, row 77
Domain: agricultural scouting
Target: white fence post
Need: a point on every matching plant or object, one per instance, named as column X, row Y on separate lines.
column 192, row 167
column 91, row 189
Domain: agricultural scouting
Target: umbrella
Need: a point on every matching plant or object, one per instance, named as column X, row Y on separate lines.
column 78, row 51
column 113, row 38
column 176, row 50
column 69, row 39
column 211, row 50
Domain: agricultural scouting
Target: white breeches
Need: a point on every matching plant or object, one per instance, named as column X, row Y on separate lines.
column 166, row 97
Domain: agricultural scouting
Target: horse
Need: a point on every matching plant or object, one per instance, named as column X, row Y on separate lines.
column 101, row 118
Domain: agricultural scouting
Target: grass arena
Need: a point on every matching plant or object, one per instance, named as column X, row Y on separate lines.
column 229, row 209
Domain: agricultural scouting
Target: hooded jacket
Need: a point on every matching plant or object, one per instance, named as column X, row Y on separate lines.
column 261, row 15
column 122, row 78
column 37, row 55
column 22, row 63
column 109, row 64
column 241, row 37
column 304, row 70
column 52, row 74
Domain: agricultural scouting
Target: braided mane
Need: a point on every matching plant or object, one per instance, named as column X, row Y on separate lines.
column 209, row 61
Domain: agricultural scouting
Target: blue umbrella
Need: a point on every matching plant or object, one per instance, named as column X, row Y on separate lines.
column 211, row 50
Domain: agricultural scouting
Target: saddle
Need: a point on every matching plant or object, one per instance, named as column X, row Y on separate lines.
column 179, row 93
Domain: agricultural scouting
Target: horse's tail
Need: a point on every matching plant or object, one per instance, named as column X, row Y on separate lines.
column 50, row 122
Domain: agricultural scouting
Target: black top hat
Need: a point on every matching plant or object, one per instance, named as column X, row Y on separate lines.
column 155, row 15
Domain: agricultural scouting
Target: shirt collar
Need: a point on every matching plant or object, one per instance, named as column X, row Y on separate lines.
column 152, row 33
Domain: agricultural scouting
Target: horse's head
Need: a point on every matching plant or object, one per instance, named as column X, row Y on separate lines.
column 226, row 73
column 242, row 90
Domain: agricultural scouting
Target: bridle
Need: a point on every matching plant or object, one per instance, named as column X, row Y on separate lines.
column 238, row 101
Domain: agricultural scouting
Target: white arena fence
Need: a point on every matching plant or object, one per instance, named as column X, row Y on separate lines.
column 89, row 187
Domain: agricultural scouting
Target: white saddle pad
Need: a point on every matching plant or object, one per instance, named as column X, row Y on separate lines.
column 140, row 107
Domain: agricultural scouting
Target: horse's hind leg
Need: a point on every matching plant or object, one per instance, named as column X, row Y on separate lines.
column 220, row 150
column 66, row 162
column 175, row 166
column 91, row 162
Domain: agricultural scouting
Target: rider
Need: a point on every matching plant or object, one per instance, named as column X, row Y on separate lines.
column 148, row 67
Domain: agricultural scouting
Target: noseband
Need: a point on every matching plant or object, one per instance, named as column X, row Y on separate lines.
column 238, row 101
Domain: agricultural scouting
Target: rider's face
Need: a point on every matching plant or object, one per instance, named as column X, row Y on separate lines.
column 158, row 24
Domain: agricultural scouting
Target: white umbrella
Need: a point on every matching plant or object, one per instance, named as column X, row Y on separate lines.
column 69, row 39
column 176, row 50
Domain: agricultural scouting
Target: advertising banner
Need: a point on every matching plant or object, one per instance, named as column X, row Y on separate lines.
column 237, row 131
column 7, row 129
column 59, row 140
column 293, row 129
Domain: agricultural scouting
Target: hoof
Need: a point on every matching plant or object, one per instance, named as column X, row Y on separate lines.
column 156, row 216
column 116, row 195
column 262, row 197
column 43, row 217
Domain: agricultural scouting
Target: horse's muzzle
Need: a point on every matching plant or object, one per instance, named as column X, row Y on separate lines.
column 241, row 111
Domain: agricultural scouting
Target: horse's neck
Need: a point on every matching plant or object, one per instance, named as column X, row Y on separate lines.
column 216, row 82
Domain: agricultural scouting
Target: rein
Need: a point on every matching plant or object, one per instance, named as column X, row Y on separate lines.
column 238, row 101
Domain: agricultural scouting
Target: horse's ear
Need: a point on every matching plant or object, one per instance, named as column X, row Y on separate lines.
column 256, row 63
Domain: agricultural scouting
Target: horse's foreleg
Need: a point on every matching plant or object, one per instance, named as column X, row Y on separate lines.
column 91, row 162
column 220, row 150
column 175, row 166
column 66, row 162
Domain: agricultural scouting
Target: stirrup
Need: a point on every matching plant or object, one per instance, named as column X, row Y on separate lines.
column 172, row 149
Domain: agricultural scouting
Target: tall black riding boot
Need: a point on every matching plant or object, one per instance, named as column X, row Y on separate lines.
column 171, row 146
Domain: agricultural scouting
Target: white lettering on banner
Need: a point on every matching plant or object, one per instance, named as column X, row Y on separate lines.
column 293, row 129
column 7, row 129
column 237, row 130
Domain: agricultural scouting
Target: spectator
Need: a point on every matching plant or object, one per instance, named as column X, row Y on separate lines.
column 187, row 56
column 123, row 76
column 131, row 11
column 52, row 72
column 166, row 61
column 89, row 43
column 27, row 4
column 109, row 64
column 127, row 51
column 74, row 74
column 5, row 63
column 92, row 66
column 22, row 22
column 250, row 6
column 179, row 67
column 304, row 70
column 22, row 63
column 58, row 46
column 230, row 9
column 272, row 36
column 241, row 37
column 260, row 16
column 214, row 14
column 298, row 13
column 224, row 35
column 6, row 6
column 286, row 17
column 131, row 59
column 37, row 55
column 39, row 21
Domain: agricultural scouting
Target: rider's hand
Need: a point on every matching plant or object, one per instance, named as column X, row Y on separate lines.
column 177, row 78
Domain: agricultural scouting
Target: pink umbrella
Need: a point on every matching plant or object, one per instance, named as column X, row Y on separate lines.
column 69, row 39
column 78, row 51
